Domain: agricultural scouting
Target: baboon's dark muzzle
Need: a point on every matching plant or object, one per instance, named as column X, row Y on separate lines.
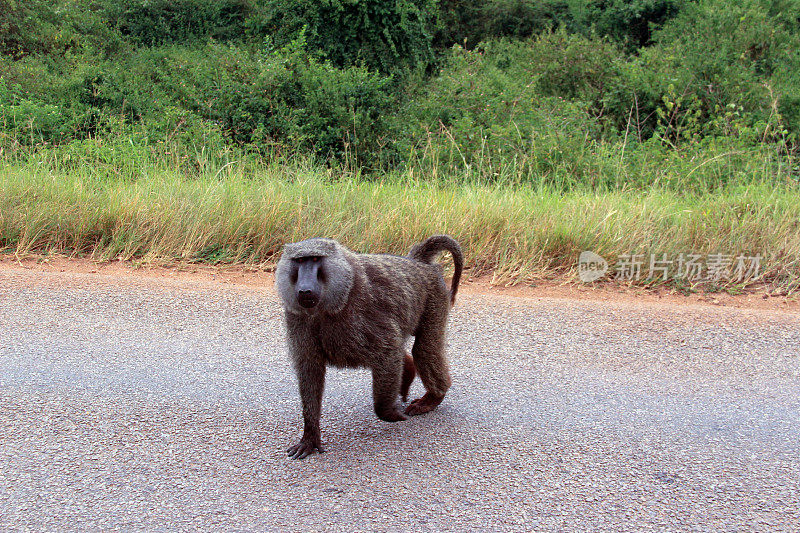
column 307, row 299
column 308, row 288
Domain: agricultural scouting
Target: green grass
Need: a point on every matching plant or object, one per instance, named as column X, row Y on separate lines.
column 238, row 213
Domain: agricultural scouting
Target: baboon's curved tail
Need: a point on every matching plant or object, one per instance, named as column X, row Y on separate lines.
column 427, row 250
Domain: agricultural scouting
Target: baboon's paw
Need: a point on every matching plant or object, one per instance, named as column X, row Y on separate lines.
column 304, row 448
column 423, row 405
column 391, row 415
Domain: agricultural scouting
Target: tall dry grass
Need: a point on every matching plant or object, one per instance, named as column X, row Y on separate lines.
column 519, row 234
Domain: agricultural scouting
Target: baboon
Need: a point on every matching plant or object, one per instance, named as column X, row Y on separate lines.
column 352, row 310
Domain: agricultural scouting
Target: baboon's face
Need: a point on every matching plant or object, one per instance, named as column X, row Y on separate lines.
column 314, row 276
column 308, row 278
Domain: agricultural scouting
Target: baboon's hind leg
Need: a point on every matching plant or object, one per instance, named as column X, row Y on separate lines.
column 429, row 359
column 386, row 383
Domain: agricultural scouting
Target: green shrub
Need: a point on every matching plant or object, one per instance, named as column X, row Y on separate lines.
column 27, row 27
column 55, row 28
column 275, row 101
column 482, row 118
column 574, row 67
column 153, row 22
column 344, row 111
column 384, row 35
column 470, row 22
column 354, row 80
column 32, row 122
column 716, row 56
column 629, row 23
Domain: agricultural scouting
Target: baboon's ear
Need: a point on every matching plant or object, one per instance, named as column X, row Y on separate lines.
column 285, row 278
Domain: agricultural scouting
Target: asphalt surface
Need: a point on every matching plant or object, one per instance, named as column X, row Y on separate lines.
column 139, row 404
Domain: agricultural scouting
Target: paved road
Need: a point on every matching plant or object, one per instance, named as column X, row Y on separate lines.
column 135, row 403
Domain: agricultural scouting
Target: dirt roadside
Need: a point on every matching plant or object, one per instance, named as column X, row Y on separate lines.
column 250, row 276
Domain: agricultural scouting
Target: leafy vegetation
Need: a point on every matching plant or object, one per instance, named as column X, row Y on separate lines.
column 369, row 80
column 693, row 98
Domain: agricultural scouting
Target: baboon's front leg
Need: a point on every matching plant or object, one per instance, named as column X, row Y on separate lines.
column 311, row 379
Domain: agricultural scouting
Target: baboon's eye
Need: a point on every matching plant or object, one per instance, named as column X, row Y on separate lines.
column 314, row 259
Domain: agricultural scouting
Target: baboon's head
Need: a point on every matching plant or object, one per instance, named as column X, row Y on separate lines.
column 314, row 276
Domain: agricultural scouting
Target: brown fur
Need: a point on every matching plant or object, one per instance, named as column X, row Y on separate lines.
column 368, row 306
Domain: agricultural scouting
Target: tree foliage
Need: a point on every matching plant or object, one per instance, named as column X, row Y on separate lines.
column 371, row 81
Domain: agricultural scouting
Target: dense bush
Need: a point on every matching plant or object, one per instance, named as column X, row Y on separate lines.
column 275, row 101
column 729, row 68
column 484, row 117
column 538, row 85
column 150, row 22
column 381, row 34
column 29, row 27
column 629, row 23
column 469, row 22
